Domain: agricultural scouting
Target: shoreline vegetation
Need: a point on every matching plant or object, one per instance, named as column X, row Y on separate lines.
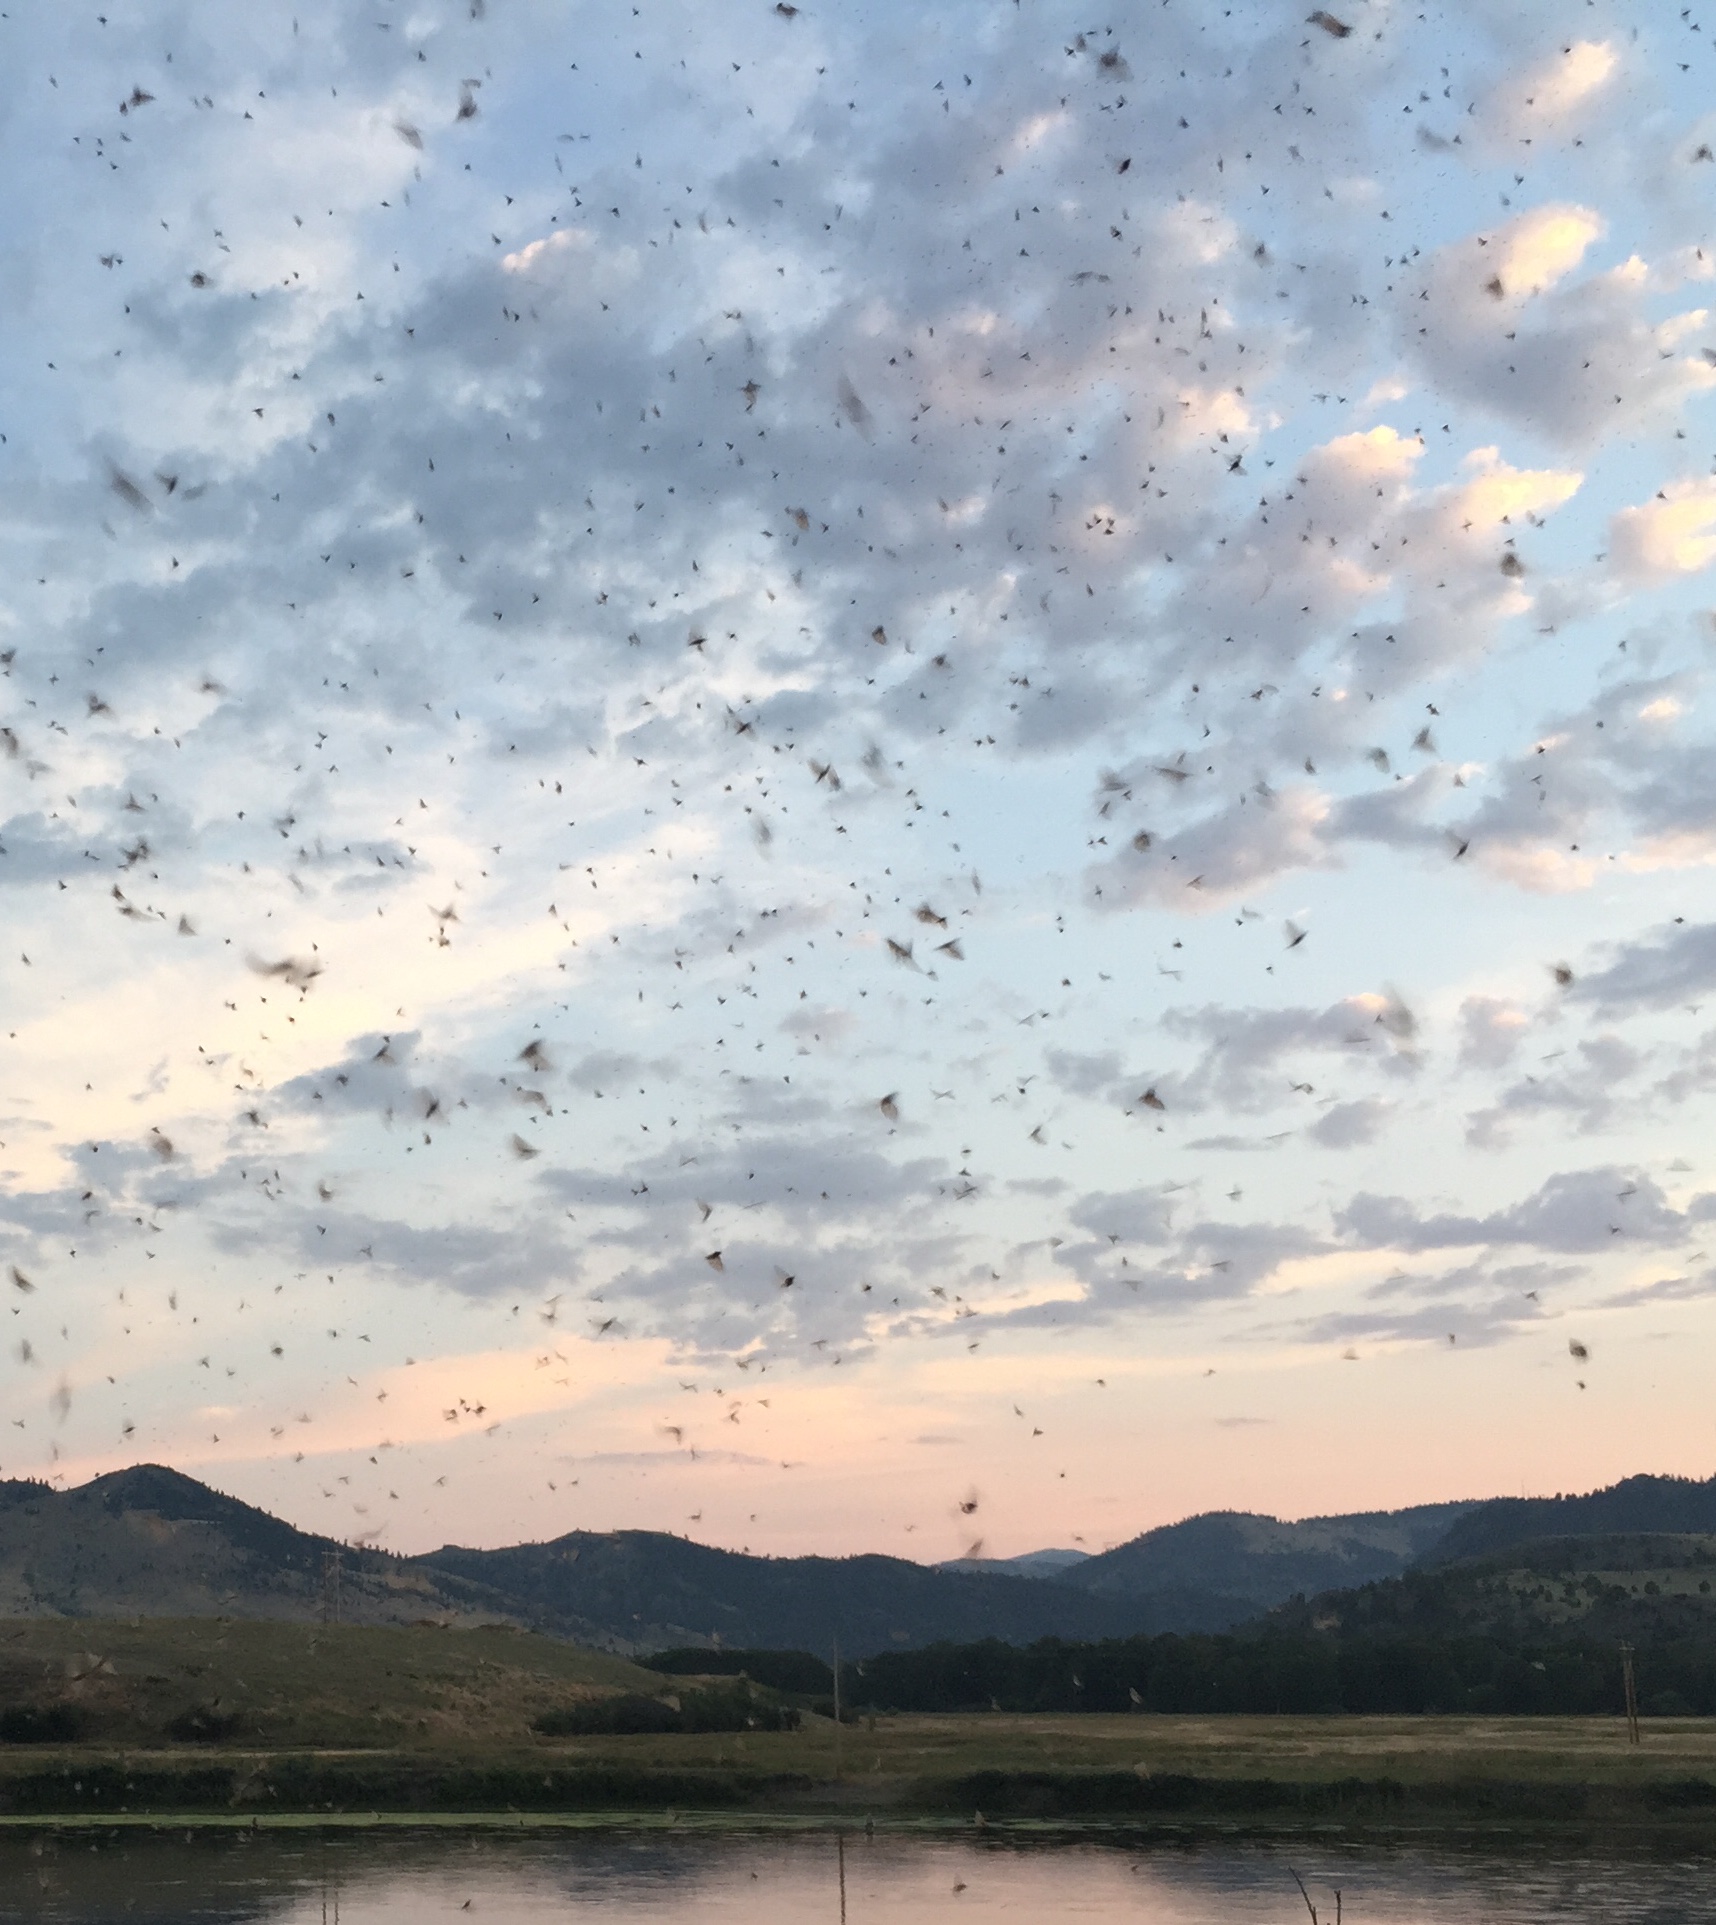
column 183, row 1722
column 248, row 1790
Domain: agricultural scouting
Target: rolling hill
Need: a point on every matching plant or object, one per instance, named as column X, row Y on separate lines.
column 1641, row 1587
column 1241, row 1563
column 653, row 1590
column 193, row 1681
column 1654, row 1504
column 1026, row 1564
column 148, row 1542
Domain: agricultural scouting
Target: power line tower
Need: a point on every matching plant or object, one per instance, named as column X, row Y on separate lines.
column 331, row 1584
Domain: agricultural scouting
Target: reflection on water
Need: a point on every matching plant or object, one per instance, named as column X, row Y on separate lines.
column 621, row 1879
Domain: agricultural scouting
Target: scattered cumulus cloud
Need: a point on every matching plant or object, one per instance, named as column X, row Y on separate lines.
column 836, row 699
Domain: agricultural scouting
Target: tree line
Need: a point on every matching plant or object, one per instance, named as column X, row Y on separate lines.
column 1289, row 1673
column 1304, row 1675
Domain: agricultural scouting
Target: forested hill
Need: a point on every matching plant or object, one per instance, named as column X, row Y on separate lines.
column 1656, row 1504
column 1536, row 1629
column 1639, row 1586
column 654, row 1589
column 152, row 1542
column 1246, row 1562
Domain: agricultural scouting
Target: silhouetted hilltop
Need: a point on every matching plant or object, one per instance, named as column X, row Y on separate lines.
column 1646, row 1587
column 1657, row 1504
column 151, row 1542
column 1246, row 1562
column 656, row 1590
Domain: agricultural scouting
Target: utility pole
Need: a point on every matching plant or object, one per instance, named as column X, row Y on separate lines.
column 1629, row 1682
column 837, row 1710
column 331, row 1584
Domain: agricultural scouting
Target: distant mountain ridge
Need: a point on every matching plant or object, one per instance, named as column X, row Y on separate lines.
column 1026, row 1564
column 1250, row 1562
column 1652, row 1504
column 1648, row 1588
column 656, row 1591
column 151, row 1542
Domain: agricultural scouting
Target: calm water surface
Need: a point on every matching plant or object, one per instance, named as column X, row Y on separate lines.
column 620, row 1880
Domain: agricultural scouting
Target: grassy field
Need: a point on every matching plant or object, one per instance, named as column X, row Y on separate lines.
column 301, row 1684
column 1293, row 1750
column 338, row 1719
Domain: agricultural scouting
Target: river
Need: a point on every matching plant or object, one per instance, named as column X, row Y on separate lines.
column 642, row 1878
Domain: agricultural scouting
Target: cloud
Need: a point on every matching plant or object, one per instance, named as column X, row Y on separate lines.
column 1508, row 321
column 1218, row 857
column 1348, row 1125
column 1658, row 972
column 1576, row 1212
column 1691, row 1288
column 1564, row 81
column 1674, row 534
column 1587, row 1091
column 1491, row 1031
column 1473, row 1307
column 1249, row 1057
column 1497, row 492
column 1538, row 249
column 788, row 562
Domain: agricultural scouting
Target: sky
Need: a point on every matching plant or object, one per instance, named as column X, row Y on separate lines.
column 856, row 777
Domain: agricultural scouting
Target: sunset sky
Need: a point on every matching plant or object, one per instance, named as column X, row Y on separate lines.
column 763, row 768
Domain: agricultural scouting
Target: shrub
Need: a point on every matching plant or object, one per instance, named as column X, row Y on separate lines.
column 778, row 1670
column 732, row 1707
column 202, row 1724
column 1666, row 1704
column 40, row 1724
column 623, row 1716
